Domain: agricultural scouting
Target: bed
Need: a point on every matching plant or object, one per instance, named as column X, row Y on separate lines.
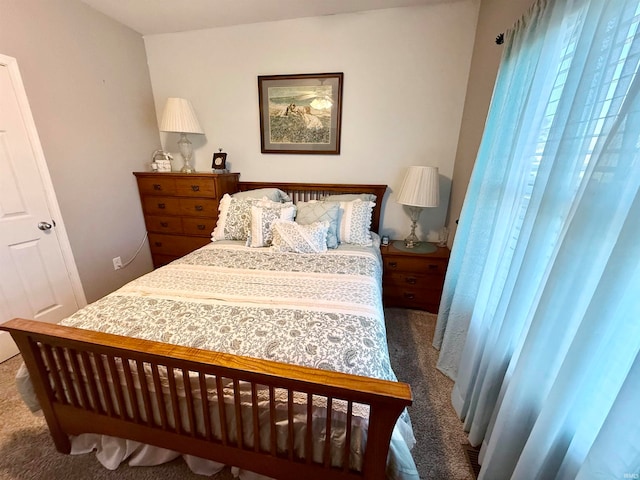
column 213, row 357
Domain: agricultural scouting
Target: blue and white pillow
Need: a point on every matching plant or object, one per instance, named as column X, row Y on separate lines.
column 293, row 237
column 234, row 218
column 263, row 214
column 314, row 211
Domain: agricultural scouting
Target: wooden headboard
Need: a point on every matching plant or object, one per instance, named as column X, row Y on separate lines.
column 303, row 192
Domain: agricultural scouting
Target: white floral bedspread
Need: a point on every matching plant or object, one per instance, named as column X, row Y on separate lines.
column 317, row 310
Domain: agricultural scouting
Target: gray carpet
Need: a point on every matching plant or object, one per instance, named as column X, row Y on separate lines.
column 27, row 452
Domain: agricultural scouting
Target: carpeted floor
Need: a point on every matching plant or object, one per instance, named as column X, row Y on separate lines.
column 27, row 452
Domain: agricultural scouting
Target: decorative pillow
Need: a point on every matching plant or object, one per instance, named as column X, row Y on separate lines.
column 314, row 211
column 262, row 216
column 274, row 194
column 349, row 197
column 234, row 218
column 355, row 222
column 293, row 237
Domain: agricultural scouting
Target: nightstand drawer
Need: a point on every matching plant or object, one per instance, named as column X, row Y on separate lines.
column 163, row 224
column 417, row 281
column 412, row 298
column 157, row 186
column 201, row 207
column 198, row 226
column 161, row 205
column 414, row 264
column 175, row 244
column 195, row 187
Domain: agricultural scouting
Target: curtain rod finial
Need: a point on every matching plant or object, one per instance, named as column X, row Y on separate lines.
column 500, row 39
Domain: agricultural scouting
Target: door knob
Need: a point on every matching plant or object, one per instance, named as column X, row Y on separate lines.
column 44, row 226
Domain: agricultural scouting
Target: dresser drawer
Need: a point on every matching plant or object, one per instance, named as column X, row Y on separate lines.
column 196, row 187
column 201, row 207
column 156, row 185
column 163, row 224
column 198, row 226
column 175, row 245
column 413, row 264
column 161, row 205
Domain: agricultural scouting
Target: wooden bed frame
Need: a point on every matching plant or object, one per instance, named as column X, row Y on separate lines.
column 78, row 396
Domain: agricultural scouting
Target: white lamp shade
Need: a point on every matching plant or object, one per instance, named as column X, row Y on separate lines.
column 420, row 187
column 179, row 116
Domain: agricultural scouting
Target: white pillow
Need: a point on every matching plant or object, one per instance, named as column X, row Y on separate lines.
column 355, row 222
column 234, row 218
column 263, row 214
column 293, row 237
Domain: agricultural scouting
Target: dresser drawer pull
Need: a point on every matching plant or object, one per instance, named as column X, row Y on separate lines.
column 409, row 296
column 162, row 205
column 195, row 188
column 411, row 280
column 157, row 186
column 432, row 267
column 157, row 244
column 201, row 227
column 164, row 224
column 392, row 264
column 199, row 208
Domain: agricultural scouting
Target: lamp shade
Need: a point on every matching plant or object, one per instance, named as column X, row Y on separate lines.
column 420, row 187
column 179, row 116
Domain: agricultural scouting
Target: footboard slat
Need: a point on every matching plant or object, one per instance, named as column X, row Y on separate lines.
column 135, row 415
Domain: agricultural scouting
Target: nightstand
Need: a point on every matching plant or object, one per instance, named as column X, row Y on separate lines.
column 413, row 280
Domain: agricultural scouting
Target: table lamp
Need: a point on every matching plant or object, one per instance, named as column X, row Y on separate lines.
column 420, row 189
column 179, row 117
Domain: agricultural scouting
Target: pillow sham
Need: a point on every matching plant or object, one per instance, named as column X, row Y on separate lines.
column 349, row 197
column 314, row 211
column 263, row 214
column 355, row 222
column 296, row 238
column 273, row 194
column 234, row 218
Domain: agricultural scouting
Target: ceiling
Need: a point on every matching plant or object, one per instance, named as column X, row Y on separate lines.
column 149, row 17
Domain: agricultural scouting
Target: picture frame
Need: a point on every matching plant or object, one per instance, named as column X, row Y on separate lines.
column 219, row 162
column 300, row 114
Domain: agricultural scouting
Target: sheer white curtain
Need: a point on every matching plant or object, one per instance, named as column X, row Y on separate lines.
column 540, row 317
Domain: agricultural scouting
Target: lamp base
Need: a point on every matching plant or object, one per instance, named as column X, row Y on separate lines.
column 420, row 247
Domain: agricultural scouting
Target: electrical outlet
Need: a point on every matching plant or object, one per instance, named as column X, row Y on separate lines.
column 117, row 263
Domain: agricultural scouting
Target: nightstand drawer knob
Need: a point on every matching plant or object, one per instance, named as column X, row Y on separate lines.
column 199, row 208
column 393, row 264
column 409, row 296
column 411, row 280
column 162, row 205
column 195, row 188
column 157, row 186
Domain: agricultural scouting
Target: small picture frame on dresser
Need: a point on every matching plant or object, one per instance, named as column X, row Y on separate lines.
column 219, row 162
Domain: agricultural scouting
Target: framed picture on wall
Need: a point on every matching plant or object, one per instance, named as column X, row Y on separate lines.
column 300, row 113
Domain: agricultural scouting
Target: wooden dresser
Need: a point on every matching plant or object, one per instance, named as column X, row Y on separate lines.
column 181, row 210
column 413, row 280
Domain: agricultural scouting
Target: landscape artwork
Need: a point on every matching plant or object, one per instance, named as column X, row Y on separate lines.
column 300, row 113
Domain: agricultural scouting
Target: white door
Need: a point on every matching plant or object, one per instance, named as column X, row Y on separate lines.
column 38, row 277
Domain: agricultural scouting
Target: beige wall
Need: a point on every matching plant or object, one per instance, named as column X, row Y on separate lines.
column 88, row 85
column 495, row 17
column 405, row 76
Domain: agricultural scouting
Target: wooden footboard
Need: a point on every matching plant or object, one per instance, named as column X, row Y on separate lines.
column 111, row 385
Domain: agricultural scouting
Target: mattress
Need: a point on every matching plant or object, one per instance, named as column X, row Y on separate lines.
column 317, row 310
